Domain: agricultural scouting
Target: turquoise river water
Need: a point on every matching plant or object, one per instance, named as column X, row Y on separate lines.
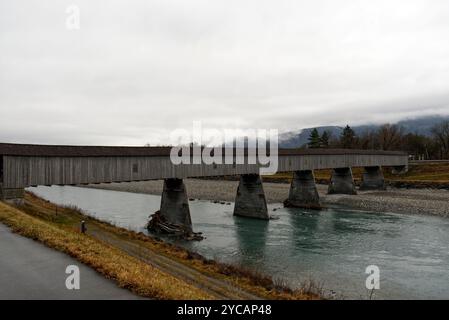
column 331, row 247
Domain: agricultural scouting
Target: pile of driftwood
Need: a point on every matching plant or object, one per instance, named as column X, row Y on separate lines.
column 159, row 224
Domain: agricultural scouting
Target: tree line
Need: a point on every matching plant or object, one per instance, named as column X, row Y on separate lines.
column 388, row 137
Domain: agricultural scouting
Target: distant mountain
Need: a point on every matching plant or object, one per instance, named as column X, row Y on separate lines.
column 421, row 125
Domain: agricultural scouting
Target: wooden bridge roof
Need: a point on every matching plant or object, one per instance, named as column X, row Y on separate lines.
column 34, row 150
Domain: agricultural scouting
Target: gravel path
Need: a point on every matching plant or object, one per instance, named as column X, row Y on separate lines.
column 30, row 270
column 410, row 201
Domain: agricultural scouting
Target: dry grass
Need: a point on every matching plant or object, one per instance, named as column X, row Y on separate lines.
column 276, row 288
column 428, row 172
column 128, row 272
column 249, row 280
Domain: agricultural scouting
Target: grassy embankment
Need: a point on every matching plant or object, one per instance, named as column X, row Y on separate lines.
column 114, row 264
column 126, row 257
column 428, row 175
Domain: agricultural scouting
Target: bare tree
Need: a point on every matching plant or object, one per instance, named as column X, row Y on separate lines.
column 441, row 135
column 390, row 137
column 368, row 140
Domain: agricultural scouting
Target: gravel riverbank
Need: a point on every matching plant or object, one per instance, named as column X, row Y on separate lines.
column 410, row 201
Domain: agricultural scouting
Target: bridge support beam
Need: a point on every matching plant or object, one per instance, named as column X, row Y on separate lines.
column 373, row 179
column 174, row 214
column 12, row 195
column 250, row 200
column 342, row 182
column 303, row 192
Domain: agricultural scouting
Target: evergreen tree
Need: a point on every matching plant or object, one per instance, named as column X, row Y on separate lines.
column 347, row 139
column 314, row 139
column 325, row 139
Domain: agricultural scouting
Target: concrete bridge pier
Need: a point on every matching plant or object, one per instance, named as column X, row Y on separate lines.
column 342, row 182
column 303, row 192
column 373, row 179
column 12, row 195
column 250, row 200
column 399, row 169
column 175, row 204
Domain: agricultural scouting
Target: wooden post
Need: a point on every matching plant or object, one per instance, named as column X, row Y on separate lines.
column 83, row 227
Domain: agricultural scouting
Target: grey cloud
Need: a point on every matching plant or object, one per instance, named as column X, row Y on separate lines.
column 138, row 69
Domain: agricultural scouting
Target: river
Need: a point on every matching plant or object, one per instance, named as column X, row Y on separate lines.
column 332, row 247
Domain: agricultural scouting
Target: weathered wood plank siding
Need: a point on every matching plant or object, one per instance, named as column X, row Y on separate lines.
column 29, row 171
column 311, row 162
column 24, row 171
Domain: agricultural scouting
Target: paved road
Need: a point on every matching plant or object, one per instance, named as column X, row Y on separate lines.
column 29, row 270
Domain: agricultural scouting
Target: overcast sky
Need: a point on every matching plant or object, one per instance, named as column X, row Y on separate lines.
column 137, row 69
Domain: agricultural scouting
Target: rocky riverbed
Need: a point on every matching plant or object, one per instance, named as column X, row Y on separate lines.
column 409, row 201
